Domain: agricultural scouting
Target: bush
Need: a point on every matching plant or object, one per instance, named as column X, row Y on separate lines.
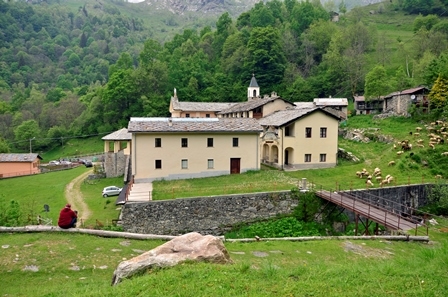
column 11, row 216
column 438, row 199
column 284, row 227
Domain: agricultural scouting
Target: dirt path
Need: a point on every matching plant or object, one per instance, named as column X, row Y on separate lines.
column 74, row 196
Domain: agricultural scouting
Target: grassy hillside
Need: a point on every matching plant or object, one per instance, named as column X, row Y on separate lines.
column 74, row 147
column 162, row 24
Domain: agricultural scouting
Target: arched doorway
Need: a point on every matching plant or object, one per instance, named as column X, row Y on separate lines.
column 274, row 154
column 289, row 156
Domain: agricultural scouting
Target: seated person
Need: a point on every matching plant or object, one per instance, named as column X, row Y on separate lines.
column 67, row 217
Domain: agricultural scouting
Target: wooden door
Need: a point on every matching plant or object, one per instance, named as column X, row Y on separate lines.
column 235, row 165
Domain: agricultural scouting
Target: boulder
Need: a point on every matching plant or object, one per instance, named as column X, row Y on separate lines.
column 191, row 246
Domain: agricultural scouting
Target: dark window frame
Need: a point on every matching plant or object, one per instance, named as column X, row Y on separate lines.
column 308, row 132
column 323, row 132
column 307, row 158
column 323, row 158
column 210, row 142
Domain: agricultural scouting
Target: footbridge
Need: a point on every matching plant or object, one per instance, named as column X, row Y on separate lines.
column 385, row 214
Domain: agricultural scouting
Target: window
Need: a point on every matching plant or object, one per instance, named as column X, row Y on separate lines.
column 307, row 157
column 207, row 115
column 158, row 164
column 235, row 142
column 323, row 132
column 187, row 115
column 209, row 142
column 289, row 130
column 184, row 142
column 210, row 164
column 323, row 157
column 184, row 164
column 158, row 142
column 308, row 132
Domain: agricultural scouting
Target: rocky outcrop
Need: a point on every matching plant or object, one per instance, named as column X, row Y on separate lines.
column 210, row 7
column 191, row 246
column 365, row 135
column 347, row 155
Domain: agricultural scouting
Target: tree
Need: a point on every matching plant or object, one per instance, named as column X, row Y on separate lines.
column 377, row 83
column 261, row 16
column 265, row 58
column 223, row 30
column 342, row 7
column 304, row 13
column 418, row 6
column 120, row 98
column 425, row 22
column 26, row 131
column 439, row 92
column 315, row 43
column 4, row 147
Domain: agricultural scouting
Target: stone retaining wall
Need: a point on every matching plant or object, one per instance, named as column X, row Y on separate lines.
column 217, row 214
column 207, row 215
column 399, row 199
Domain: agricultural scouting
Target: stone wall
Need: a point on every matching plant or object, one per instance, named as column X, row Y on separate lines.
column 207, row 215
column 399, row 199
column 115, row 163
column 217, row 214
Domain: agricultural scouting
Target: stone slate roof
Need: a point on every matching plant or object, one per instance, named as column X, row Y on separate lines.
column 406, row 92
column 331, row 101
column 121, row 134
column 329, row 108
column 250, row 105
column 200, row 106
column 283, row 117
column 301, row 105
column 188, row 125
column 19, row 157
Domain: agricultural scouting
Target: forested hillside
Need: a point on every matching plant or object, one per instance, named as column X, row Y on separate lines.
column 68, row 72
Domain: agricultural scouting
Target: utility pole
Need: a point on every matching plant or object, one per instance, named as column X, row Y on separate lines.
column 31, row 149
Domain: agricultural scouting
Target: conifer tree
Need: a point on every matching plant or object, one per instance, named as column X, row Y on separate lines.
column 439, row 92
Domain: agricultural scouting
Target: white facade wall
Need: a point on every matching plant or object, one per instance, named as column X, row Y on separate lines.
column 171, row 154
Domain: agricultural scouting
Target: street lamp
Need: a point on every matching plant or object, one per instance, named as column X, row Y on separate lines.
column 31, row 139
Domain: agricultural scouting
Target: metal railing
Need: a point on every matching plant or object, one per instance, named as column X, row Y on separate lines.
column 371, row 209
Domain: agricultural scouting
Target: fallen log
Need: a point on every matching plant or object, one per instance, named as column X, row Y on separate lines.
column 102, row 233
column 311, row 238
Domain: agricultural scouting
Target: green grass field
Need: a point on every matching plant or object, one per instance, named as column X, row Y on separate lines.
column 83, row 265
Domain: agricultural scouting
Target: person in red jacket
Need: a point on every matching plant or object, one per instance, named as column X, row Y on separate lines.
column 67, row 217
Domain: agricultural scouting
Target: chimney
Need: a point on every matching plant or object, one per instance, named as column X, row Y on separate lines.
column 170, row 122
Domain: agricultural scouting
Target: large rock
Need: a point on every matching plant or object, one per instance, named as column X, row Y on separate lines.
column 192, row 246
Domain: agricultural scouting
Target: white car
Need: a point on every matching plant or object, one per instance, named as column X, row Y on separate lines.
column 111, row 191
column 53, row 163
